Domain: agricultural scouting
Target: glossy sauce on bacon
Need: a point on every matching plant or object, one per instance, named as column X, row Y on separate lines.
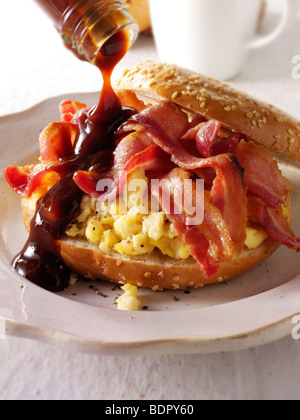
column 40, row 261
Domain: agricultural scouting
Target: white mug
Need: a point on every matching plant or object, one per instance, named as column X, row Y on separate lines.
column 212, row 37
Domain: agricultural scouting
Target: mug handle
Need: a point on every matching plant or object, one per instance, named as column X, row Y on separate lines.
column 290, row 10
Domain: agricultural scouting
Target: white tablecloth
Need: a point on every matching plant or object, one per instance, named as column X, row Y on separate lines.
column 34, row 66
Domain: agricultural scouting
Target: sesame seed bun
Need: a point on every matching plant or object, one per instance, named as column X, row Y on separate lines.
column 155, row 271
column 139, row 10
column 255, row 119
column 262, row 12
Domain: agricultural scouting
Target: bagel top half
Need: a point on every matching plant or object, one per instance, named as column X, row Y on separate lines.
column 259, row 121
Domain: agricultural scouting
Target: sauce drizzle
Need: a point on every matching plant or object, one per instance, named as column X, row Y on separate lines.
column 39, row 261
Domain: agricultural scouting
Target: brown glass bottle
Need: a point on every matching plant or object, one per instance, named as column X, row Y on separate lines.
column 85, row 25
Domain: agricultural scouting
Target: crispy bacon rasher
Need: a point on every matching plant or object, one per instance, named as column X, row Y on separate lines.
column 210, row 241
column 262, row 174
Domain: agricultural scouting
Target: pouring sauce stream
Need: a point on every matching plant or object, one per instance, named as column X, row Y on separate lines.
column 39, row 261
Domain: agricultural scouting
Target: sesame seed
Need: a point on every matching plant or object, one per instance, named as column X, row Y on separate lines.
column 155, row 288
column 175, row 286
column 191, row 283
column 161, row 274
column 254, row 123
column 220, row 279
column 281, row 118
column 139, row 284
column 176, row 278
column 290, row 132
column 277, row 136
column 175, row 94
column 148, row 274
column 203, row 105
column 119, row 262
column 292, row 140
column 249, row 115
column 227, row 109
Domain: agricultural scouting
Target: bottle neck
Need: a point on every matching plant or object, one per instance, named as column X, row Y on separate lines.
column 86, row 25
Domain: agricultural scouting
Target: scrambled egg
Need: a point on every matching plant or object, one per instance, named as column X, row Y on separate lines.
column 255, row 237
column 127, row 226
column 129, row 301
column 127, row 229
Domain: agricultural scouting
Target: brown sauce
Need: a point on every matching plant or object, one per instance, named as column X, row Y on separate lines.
column 40, row 261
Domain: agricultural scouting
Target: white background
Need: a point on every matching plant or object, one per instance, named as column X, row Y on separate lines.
column 34, row 66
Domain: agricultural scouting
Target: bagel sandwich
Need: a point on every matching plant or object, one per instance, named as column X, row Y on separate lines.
column 187, row 128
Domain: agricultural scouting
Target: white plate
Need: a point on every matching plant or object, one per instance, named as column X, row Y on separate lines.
column 252, row 310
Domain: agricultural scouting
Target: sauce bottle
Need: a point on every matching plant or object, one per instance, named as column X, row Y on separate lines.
column 86, row 25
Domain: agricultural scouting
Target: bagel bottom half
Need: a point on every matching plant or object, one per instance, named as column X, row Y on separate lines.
column 154, row 271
